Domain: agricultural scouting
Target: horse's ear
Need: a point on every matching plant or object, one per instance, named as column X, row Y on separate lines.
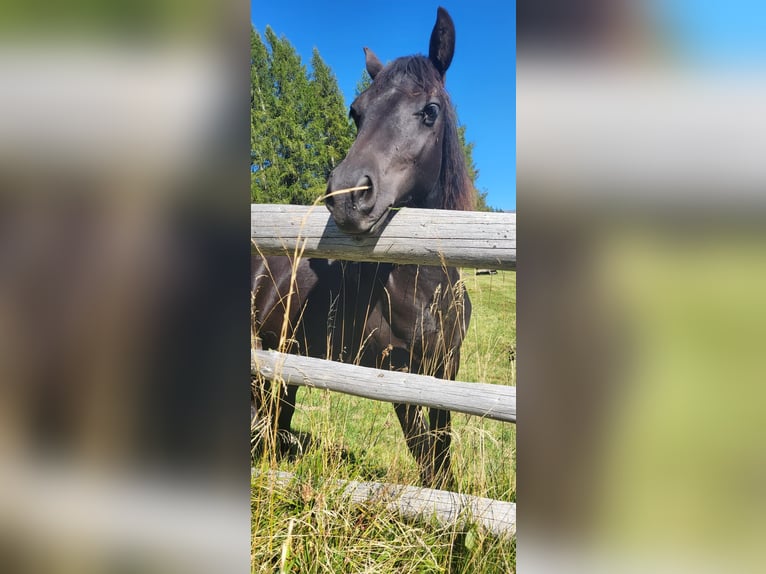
column 373, row 64
column 442, row 46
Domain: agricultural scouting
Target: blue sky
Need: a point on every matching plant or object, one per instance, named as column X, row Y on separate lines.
column 715, row 33
column 481, row 79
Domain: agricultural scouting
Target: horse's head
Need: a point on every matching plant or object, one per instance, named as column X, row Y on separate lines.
column 396, row 158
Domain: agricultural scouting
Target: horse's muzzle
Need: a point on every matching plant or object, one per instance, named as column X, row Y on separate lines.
column 353, row 207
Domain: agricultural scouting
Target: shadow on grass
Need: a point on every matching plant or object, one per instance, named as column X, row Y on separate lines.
column 303, row 447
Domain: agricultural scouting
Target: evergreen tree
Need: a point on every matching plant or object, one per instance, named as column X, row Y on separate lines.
column 263, row 155
column 331, row 130
column 473, row 171
column 481, row 202
column 364, row 82
column 299, row 126
column 290, row 121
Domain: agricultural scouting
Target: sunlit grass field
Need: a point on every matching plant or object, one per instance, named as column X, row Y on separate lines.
column 360, row 439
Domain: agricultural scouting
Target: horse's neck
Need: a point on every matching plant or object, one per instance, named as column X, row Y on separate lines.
column 435, row 198
column 449, row 188
column 424, row 278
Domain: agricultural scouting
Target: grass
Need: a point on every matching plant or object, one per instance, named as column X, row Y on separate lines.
column 305, row 527
column 492, row 333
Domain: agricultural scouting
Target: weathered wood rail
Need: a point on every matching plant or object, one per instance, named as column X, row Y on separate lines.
column 480, row 399
column 419, row 236
column 447, row 508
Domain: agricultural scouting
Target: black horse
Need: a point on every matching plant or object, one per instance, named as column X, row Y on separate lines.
column 401, row 317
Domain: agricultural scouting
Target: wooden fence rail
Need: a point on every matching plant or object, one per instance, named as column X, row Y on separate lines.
column 419, row 236
column 447, row 508
column 480, row 399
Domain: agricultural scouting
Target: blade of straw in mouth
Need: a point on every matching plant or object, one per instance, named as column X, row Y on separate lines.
column 347, row 190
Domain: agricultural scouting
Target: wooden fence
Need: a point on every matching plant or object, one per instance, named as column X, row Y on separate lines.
column 480, row 399
column 422, row 236
column 425, row 237
column 446, row 507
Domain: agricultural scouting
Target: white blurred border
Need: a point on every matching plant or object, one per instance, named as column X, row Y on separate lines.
column 594, row 130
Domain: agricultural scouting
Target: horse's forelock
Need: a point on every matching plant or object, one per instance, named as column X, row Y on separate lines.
column 418, row 69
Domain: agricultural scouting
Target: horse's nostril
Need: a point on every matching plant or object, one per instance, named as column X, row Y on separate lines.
column 366, row 192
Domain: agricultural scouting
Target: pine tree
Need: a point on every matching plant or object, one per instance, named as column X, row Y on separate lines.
column 473, row 171
column 331, row 131
column 263, row 155
column 299, row 126
column 290, row 121
column 364, row 82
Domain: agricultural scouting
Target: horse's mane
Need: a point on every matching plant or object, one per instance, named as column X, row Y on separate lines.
column 457, row 191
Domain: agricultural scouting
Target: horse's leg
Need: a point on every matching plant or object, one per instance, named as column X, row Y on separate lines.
column 261, row 407
column 417, row 437
column 286, row 441
column 441, row 432
column 439, row 457
column 286, row 412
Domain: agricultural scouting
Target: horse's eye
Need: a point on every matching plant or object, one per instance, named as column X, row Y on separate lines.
column 430, row 113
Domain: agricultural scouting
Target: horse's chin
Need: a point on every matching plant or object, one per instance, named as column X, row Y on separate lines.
column 370, row 227
column 381, row 221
